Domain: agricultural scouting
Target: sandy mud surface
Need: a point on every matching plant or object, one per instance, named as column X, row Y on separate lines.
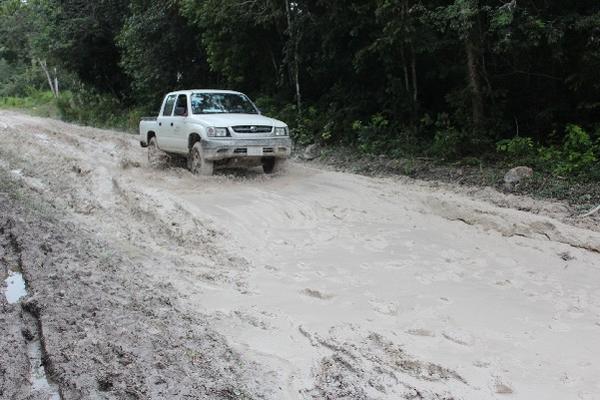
column 151, row 284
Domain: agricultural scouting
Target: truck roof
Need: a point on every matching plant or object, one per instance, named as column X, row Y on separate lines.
column 189, row 91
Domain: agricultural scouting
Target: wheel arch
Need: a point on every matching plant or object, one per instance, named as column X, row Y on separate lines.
column 193, row 138
column 149, row 136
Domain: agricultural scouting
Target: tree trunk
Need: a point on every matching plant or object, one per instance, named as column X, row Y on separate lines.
column 473, row 51
column 50, row 83
column 405, row 69
column 413, row 67
column 415, row 83
column 297, row 79
column 295, row 70
column 56, row 90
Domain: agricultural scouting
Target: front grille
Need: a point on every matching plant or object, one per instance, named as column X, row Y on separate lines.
column 252, row 129
column 268, row 150
column 240, row 151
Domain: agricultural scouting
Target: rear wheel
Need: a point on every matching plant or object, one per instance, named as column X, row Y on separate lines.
column 196, row 162
column 273, row 165
column 156, row 157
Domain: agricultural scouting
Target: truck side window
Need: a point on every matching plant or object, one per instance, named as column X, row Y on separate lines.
column 169, row 104
column 181, row 107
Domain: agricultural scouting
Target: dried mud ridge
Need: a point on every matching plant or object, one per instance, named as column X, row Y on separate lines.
column 528, row 226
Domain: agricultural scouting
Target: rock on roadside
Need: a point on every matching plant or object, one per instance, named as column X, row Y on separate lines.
column 516, row 176
column 311, row 152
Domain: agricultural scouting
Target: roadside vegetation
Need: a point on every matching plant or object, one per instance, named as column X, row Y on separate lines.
column 465, row 84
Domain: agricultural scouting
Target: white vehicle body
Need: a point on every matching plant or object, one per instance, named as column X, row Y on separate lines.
column 224, row 138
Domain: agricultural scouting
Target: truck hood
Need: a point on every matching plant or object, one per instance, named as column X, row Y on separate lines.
column 228, row 120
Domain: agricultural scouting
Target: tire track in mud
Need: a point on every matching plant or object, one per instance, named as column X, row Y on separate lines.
column 92, row 188
column 14, row 364
column 372, row 367
column 38, row 381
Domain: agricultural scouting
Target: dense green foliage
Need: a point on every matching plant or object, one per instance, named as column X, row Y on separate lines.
column 445, row 79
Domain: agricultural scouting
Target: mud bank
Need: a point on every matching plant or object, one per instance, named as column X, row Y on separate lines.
column 95, row 325
column 14, row 364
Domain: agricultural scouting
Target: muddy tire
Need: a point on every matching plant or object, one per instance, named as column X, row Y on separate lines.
column 274, row 165
column 197, row 164
column 156, row 157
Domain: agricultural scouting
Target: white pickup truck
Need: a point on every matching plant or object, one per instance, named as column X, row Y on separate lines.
column 215, row 128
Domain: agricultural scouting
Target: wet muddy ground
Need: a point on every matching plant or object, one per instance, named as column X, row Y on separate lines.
column 140, row 283
column 92, row 324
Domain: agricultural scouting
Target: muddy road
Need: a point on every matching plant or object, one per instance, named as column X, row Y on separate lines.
column 155, row 284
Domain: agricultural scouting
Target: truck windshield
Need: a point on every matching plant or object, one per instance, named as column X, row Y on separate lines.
column 221, row 103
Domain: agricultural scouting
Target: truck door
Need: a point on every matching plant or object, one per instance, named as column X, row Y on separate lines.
column 165, row 121
column 180, row 116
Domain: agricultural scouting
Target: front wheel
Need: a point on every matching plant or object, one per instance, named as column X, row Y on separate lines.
column 196, row 162
column 273, row 165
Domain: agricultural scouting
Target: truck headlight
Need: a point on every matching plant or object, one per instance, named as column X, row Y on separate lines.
column 217, row 132
column 281, row 131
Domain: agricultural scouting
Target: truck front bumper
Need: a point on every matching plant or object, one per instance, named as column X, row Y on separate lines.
column 221, row 149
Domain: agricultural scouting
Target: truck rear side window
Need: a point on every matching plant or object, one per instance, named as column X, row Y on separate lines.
column 181, row 107
column 169, row 105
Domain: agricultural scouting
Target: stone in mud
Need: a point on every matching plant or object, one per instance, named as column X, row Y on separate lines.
column 516, row 176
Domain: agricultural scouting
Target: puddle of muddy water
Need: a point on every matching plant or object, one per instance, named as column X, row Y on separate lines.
column 15, row 287
column 15, row 290
column 39, row 380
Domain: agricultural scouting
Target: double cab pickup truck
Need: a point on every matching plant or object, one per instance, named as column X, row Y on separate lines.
column 215, row 128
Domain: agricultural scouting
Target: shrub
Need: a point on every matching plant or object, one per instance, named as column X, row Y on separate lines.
column 446, row 141
column 311, row 126
column 374, row 136
column 450, row 144
column 308, row 127
column 88, row 107
column 578, row 153
column 517, row 148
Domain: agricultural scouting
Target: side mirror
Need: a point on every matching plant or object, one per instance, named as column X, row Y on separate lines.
column 180, row 111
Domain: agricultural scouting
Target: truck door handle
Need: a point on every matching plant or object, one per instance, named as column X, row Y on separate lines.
column 171, row 124
column 160, row 124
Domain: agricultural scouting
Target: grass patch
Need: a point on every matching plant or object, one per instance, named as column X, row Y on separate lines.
column 84, row 108
column 40, row 103
column 87, row 107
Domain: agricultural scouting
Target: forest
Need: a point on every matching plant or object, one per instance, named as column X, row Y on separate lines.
column 449, row 80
